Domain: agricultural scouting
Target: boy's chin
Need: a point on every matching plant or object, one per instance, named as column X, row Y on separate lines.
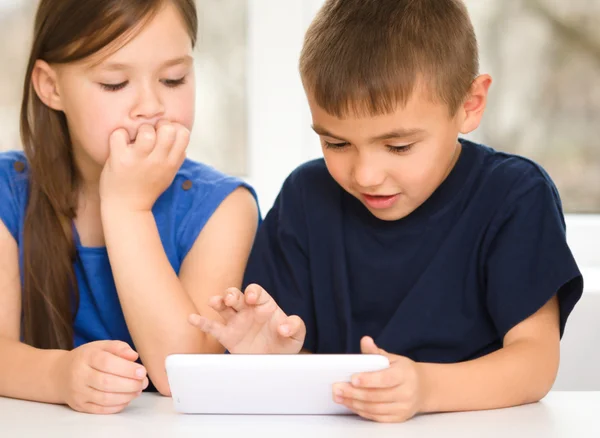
column 394, row 213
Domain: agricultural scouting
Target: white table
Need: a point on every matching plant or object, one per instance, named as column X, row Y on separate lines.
column 560, row 414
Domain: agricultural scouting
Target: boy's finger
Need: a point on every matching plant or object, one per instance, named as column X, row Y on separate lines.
column 256, row 295
column 388, row 378
column 293, row 328
column 208, row 326
column 378, row 395
column 217, row 304
column 234, row 299
column 368, row 346
column 370, row 408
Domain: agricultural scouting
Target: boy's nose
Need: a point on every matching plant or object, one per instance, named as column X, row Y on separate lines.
column 368, row 175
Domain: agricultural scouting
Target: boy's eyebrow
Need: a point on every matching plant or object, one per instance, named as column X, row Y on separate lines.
column 187, row 59
column 397, row 133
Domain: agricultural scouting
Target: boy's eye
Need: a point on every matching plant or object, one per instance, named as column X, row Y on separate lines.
column 330, row 145
column 172, row 83
column 400, row 149
column 114, row 87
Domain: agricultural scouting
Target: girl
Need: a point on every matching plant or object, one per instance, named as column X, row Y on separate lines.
column 109, row 237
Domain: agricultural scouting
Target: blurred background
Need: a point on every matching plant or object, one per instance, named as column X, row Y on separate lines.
column 253, row 121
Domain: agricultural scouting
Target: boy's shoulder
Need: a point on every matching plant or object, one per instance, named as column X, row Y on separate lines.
column 516, row 175
column 309, row 178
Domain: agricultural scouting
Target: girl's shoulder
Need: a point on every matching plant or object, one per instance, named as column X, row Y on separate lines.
column 13, row 189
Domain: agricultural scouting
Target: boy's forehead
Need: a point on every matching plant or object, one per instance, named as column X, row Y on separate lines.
column 417, row 116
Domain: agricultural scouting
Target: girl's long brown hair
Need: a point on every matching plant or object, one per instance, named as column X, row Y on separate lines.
column 65, row 31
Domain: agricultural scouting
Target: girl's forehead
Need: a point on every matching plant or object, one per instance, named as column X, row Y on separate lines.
column 161, row 39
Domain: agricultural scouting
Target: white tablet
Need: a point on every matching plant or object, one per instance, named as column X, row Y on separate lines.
column 299, row 384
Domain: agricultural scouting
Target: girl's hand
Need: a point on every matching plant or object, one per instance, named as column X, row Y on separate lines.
column 136, row 174
column 391, row 395
column 100, row 377
column 254, row 323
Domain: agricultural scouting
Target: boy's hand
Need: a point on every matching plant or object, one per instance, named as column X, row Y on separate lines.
column 136, row 174
column 100, row 377
column 254, row 323
column 390, row 395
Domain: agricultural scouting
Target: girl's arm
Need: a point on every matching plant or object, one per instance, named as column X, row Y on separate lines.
column 25, row 372
column 156, row 303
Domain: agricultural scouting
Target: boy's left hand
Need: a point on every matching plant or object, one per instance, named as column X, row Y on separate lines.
column 387, row 396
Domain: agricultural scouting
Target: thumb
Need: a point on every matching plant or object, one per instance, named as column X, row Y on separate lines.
column 368, row 346
column 121, row 349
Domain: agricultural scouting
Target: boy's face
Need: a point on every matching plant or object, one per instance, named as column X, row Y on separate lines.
column 392, row 163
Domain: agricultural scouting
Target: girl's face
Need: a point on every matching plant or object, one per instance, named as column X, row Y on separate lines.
column 150, row 78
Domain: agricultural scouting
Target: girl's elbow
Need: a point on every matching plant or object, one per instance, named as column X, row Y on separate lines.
column 163, row 388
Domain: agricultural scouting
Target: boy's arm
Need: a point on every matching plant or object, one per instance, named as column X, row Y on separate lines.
column 523, row 371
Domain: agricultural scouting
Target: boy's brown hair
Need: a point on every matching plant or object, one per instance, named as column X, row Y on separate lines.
column 366, row 57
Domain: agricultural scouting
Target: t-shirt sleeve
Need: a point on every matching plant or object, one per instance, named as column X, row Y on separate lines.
column 529, row 260
column 8, row 206
column 278, row 261
column 206, row 201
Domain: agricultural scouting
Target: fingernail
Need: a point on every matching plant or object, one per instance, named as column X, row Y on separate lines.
column 140, row 372
column 338, row 399
column 339, row 392
column 356, row 381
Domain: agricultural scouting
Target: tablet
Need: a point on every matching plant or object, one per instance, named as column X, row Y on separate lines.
column 299, row 384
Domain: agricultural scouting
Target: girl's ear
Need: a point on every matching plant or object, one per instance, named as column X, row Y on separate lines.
column 44, row 82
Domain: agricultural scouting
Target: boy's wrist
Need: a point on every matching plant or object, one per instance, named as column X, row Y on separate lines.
column 428, row 403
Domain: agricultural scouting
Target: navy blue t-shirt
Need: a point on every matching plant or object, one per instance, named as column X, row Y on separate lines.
column 444, row 284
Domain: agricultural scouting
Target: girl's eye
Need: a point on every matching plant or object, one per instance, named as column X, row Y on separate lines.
column 114, row 87
column 172, row 83
column 330, row 145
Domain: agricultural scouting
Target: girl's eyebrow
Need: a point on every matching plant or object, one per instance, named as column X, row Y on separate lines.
column 118, row 66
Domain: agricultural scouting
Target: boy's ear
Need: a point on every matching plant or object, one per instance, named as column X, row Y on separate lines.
column 44, row 82
column 475, row 104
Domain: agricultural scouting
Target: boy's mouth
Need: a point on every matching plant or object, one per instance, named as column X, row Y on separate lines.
column 379, row 202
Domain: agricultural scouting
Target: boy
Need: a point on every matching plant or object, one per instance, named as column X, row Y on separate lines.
column 446, row 256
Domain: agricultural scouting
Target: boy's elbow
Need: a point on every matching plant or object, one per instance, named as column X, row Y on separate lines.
column 542, row 381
